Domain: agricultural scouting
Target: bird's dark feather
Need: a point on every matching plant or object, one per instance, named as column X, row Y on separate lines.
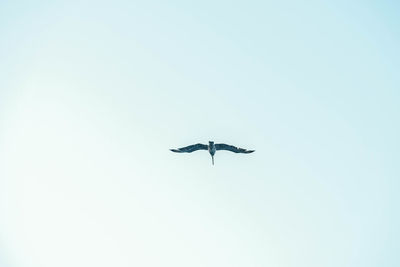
column 191, row 148
column 232, row 148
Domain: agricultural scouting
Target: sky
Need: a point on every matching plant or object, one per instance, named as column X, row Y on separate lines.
column 93, row 94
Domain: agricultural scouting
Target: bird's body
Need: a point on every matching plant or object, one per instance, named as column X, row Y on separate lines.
column 212, row 149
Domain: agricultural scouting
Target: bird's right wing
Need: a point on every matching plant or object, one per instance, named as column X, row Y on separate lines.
column 191, row 148
column 232, row 148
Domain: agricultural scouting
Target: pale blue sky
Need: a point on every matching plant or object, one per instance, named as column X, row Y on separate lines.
column 94, row 93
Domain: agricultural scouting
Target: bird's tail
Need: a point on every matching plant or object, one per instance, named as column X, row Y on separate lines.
column 212, row 159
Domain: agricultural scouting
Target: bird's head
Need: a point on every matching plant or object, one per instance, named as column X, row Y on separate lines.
column 210, row 142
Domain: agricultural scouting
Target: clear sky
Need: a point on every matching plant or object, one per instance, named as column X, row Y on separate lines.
column 94, row 93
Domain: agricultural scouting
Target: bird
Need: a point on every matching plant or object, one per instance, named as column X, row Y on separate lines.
column 212, row 148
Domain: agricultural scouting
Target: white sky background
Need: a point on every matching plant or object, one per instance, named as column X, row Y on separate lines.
column 93, row 95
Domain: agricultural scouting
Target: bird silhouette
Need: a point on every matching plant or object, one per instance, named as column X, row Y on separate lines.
column 212, row 148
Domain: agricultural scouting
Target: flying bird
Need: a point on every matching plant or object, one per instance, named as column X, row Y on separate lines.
column 212, row 148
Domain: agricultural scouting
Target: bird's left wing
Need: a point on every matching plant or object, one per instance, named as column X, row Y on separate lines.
column 191, row 148
column 232, row 148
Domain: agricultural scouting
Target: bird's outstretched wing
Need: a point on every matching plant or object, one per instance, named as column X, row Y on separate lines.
column 232, row 148
column 189, row 149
